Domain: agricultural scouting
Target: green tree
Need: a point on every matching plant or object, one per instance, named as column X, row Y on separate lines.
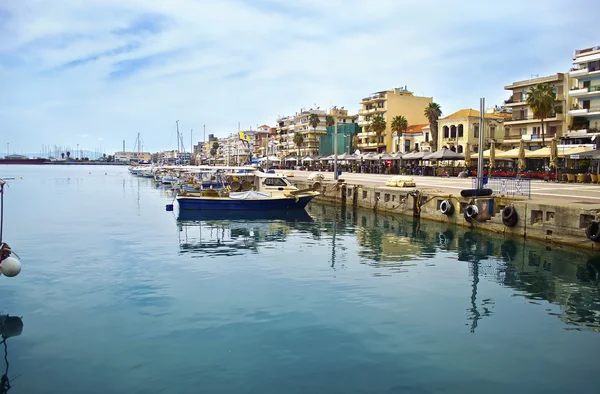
column 378, row 125
column 399, row 125
column 214, row 149
column 313, row 121
column 298, row 141
column 540, row 98
column 329, row 121
column 433, row 112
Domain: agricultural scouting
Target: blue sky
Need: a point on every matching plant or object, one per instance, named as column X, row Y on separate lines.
column 96, row 72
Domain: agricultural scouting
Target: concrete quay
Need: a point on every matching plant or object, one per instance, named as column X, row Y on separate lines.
column 557, row 213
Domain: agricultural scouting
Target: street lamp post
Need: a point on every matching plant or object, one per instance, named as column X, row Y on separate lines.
column 335, row 150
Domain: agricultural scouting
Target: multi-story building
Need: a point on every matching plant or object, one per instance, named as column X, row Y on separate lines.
column 523, row 125
column 388, row 104
column 285, row 128
column 233, row 150
column 585, row 92
column 310, row 145
column 457, row 130
column 288, row 126
column 127, row 157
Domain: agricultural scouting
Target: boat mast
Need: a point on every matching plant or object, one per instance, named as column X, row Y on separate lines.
column 177, row 157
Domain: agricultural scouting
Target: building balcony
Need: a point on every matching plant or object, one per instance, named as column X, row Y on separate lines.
column 585, row 73
column 593, row 111
column 513, row 102
column 369, row 145
column 375, row 97
column 518, row 119
column 586, row 92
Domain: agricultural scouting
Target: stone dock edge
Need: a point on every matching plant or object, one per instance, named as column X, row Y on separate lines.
column 553, row 224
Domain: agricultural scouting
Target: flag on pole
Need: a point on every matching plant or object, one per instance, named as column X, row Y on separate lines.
column 245, row 138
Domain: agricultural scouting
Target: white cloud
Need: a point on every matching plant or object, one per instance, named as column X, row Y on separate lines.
column 115, row 67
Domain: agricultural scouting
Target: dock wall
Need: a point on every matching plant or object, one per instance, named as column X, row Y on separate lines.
column 550, row 223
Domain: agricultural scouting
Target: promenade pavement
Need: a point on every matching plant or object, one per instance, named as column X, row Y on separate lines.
column 585, row 196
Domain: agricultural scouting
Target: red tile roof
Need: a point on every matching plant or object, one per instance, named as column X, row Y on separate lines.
column 415, row 128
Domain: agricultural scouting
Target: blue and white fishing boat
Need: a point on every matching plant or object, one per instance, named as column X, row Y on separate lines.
column 255, row 190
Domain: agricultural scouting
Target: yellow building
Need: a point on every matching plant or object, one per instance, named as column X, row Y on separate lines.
column 388, row 104
column 523, row 125
column 462, row 127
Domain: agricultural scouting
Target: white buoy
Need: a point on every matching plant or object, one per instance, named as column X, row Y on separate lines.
column 10, row 267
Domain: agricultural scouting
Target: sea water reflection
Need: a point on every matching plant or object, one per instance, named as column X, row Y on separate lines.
column 396, row 244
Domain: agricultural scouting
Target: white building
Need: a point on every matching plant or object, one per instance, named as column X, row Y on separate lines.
column 128, row 157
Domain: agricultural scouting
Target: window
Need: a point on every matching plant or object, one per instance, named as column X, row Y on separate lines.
column 406, row 146
column 586, row 104
column 426, row 137
column 476, row 130
column 275, row 182
column 523, row 130
column 506, row 131
column 416, row 146
column 536, row 130
column 552, row 130
column 460, row 130
column 523, row 95
column 492, row 131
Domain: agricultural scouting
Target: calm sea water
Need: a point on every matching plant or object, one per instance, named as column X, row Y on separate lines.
column 119, row 296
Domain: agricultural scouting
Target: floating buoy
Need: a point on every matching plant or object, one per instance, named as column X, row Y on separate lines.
column 89, row 172
column 510, row 216
column 105, row 173
column 593, row 231
column 20, row 177
column 471, row 212
column 10, row 267
column 446, row 208
column 169, row 207
column 166, row 192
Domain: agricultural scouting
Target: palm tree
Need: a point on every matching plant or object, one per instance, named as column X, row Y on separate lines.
column 329, row 121
column 68, row 155
column 313, row 121
column 540, row 99
column 399, row 125
column 215, row 147
column 378, row 125
column 433, row 112
column 62, row 155
column 298, row 141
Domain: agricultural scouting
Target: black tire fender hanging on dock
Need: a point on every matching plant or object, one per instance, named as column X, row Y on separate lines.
column 593, row 231
column 446, row 208
column 510, row 217
column 471, row 211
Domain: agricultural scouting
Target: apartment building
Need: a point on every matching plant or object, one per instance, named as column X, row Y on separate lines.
column 523, row 125
column 288, row 126
column 457, row 130
column 585, row 93
column 388, row 104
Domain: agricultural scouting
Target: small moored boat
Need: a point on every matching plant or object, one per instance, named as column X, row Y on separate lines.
column 261, row 191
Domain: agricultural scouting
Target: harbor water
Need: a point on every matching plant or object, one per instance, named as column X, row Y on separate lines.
column 118, row 295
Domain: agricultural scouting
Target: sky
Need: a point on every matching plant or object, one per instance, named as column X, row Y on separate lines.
column 97, row 72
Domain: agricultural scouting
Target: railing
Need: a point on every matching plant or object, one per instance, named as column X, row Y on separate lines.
column 517, row 117
column 507, row 186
